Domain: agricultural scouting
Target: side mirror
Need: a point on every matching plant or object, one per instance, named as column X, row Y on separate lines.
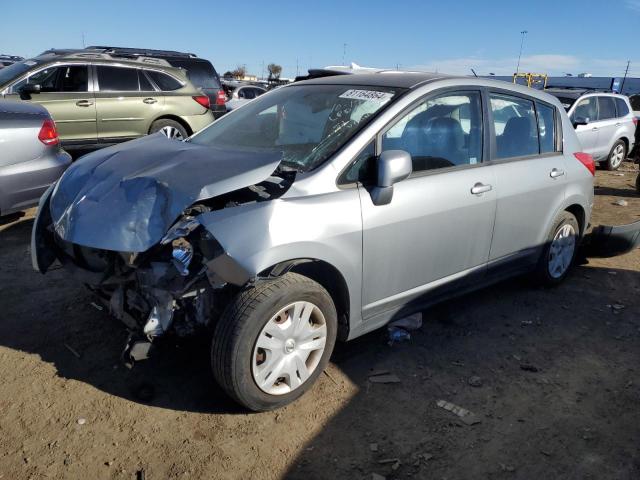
column 28, row 89
column 393, row 166
column 580, row 121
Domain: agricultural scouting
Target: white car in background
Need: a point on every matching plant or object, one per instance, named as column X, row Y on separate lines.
column 238, row 95
column 604, row 122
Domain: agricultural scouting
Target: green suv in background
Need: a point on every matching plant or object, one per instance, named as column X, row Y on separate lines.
column 97, row 99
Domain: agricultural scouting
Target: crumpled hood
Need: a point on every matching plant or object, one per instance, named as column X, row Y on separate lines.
column 125, row 198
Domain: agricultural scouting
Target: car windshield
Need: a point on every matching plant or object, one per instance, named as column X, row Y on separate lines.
column 7, row 74
column 305, row 123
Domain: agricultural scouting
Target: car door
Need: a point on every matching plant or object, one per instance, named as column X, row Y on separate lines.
column 65, row 92
column 530, row 178
column 587, row 109
column 437, row 228
column 608, row 124
column 125, row 102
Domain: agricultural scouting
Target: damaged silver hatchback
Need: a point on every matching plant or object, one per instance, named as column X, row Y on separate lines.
column 320, row 210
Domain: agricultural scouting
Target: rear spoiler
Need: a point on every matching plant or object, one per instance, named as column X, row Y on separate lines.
column 606, row 241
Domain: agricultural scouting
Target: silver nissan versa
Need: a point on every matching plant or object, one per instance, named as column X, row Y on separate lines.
column 320, row 211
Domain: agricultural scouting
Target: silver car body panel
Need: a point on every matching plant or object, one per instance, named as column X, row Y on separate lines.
column 27, row 166
column 434, row 234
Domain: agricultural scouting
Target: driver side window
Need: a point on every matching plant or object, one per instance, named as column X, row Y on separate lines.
column 443, row 131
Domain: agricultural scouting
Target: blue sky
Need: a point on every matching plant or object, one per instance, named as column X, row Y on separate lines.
column 449, row 36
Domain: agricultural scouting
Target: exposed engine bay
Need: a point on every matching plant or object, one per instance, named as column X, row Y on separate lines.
column 179, row 286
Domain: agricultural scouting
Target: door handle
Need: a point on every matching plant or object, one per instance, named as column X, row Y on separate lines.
column 555, row 173
column 84, row 103
column 618, row 124
column 480, row 188
column 594, row 129
column 149, row 101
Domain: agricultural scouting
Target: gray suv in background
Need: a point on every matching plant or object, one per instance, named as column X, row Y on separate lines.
column 320, row 211
column 604, row 122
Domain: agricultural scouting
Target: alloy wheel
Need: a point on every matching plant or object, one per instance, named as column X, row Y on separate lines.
column 171, row 132
column 562, row 249
column 617, row 156
column 289, row 348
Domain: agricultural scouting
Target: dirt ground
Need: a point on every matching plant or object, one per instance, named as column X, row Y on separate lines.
column 557, row 395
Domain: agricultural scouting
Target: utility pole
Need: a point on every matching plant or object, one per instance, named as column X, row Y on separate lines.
column 523, row 33
column 344, row 53
column 262, row 70
column 83, row 42
column 297, row 68
column 625, row 76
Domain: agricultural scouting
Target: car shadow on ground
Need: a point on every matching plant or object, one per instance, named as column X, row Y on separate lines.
column 617, row 192
column 555, row 368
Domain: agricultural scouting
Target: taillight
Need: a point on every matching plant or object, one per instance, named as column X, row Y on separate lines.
column 203, row 100
column 48, row 133
column 587, row 161
column 635, row 121
column 221, row 98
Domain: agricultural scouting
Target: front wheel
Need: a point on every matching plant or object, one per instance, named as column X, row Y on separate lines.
column 559, row 251
column 273, row 341
column 617, row 155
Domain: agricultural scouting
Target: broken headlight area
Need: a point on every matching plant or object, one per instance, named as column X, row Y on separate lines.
column 169, row 289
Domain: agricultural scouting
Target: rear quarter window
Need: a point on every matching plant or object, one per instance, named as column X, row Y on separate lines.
column 199, row 72
column 623, row 109
column 165, row 82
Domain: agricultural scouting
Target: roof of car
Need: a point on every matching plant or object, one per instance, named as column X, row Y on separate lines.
column 383, row 78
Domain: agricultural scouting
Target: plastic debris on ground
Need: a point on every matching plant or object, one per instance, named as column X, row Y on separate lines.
column 465, row 415
column 384, row 378
column 399, row 329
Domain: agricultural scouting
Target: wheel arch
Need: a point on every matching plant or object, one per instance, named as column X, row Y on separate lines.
column 578, row 211
column 175, row 118
column 326, row 275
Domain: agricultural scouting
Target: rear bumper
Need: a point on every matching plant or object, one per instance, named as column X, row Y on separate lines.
column 610, row 241
column 198, row 122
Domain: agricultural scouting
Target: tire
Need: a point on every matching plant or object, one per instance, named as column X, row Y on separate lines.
column 238, row 362
column 617, row 155
column 638, row 183
column 554, row 266
column 170, row 128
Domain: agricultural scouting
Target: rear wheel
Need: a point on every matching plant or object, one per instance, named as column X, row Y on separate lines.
column 617, row 155
column 169, row 128
column 559, row 251
column 273, row 341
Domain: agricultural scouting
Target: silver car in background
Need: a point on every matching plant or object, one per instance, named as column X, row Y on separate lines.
column 238, row 94
column 30, row 155
column 321, row 211
column 605, row 123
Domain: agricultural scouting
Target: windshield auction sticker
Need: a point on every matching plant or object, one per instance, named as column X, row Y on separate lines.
column 367, row 95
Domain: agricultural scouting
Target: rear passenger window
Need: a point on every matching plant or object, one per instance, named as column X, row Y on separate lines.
column 441, row 132
column 165, row 82
column 514, row 121
column 116, row 79
column 145, row 84
column 546, row 128
column 606, row 108
column 621, row 107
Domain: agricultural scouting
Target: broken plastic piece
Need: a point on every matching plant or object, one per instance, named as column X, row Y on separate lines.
column 397, row 335
column 410, row 323
column 465, row 415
